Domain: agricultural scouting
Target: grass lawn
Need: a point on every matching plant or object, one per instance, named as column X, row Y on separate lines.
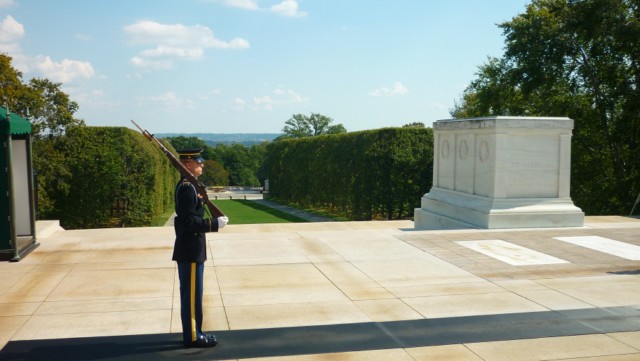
column 250, row 212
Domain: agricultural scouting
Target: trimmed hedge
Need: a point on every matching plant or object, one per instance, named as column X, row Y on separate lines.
column 115, row 177
column 380, row 173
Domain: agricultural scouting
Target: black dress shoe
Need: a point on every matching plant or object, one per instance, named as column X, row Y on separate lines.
column 204, row 341
column 211, row 337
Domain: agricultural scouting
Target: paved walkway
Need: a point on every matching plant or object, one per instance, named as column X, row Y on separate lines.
column 296, row 212
column 333, row 291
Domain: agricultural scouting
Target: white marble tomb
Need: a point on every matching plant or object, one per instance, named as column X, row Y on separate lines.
column 500, row 172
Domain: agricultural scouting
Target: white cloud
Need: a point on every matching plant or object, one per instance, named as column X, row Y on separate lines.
column 283, row 8
column 94, row 97
column 10, row 30
column 162, row 50
column 265, row 102
column 288, row 8
column 82, row 37
column 239, row 103
column 6, row 3
column 152, row 64
column 174, row 41
column 65, row 71
column 177, row 36
column 396, row 89
column 13, row 49
column 243, row 4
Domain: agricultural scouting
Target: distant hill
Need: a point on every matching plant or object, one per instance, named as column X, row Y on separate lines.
column 247, row 139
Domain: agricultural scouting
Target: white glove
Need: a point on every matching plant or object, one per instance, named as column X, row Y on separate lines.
column 222, row 221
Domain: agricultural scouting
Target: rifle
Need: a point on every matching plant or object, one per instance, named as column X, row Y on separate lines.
column 200, row 188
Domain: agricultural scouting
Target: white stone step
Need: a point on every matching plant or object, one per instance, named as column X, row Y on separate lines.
column 45, row 229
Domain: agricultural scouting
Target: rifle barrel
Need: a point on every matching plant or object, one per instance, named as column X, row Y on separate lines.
column 200, row 188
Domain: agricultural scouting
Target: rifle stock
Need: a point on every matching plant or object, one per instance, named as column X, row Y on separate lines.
column 200, row 188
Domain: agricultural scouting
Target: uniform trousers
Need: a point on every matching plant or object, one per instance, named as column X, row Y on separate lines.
column 191, row 276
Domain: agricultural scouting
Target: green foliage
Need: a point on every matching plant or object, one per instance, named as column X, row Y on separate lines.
column 414, row 125
column 113, row 177
column 47, row 107
column 299, row 126
column 182, row 142
column 214, row 174
column 364, row 175
column 82, row 173
column 579, row 59
column 11, row 87
column 49, row 162
column 234, row 164
column 241, row 162
column 51, row 110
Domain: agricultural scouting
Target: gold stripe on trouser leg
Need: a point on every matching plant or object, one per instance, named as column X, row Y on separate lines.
column 193, row 302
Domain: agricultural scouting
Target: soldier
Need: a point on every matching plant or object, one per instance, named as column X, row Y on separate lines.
column 190, row 250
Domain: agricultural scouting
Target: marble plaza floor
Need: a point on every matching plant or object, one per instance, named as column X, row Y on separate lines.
column 333, row 291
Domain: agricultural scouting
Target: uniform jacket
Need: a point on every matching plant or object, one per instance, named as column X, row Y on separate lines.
column 190, row 226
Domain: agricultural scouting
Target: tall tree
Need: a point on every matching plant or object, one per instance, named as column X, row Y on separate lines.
column 51, row 110
column 214, row 174
column 297, row 127
column 581, row 59
column 300, row 125
column 11, row 87
column 414, row 125
column 51, row 113
column 240, row 163
column 183, row 142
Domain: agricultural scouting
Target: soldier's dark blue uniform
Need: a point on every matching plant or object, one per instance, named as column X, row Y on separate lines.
column 190, row 253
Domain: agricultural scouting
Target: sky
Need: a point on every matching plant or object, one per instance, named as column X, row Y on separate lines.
column 247, row 66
